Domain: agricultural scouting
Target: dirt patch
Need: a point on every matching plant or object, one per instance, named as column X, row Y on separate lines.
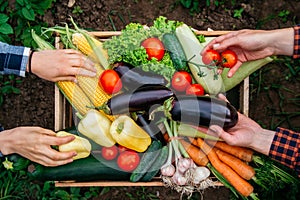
column 35, row 104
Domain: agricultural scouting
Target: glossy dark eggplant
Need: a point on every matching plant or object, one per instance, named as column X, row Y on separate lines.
column 152, row 127
column 139, row 100
column 133, row 77
column 204, row 111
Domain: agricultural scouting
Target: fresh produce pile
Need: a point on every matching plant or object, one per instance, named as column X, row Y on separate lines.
column 139, row 117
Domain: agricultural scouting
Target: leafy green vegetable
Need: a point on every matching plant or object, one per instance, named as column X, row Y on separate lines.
column 127, row 47
column 274, row 180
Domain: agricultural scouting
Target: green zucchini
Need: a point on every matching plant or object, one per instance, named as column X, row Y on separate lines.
column 159, row 162
column 175, row 50
column 146, row 161
column 86, row 169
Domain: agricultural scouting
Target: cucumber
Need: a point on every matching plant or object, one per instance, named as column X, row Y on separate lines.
column 175, row 50
column 147, row 159
column 159, row 162
column 85, row 169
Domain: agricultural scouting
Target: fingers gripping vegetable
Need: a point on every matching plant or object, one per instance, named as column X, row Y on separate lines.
column 139, row 100
column 229, row 58
column 207, row 77
column 211, row 57
column 154, row 48
column 203, row 111
column 81, row 145
column 133, row 78
column 127, row 133
column 96, row 126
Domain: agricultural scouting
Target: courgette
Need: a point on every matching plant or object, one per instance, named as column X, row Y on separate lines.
column 209, row 78
column 86, row 169
column 159, row 162
column 147, row 159
column 176, row 52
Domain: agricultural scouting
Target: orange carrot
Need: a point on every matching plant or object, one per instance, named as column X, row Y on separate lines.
column 240, row 152
column 195, row 153
column 240, row 184
column 239, row 166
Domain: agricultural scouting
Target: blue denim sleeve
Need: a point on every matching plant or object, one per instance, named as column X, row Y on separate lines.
column 13, row 59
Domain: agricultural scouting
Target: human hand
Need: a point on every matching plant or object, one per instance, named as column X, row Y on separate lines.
column 246, row 133
column 61, row 64
column 252, row 45
column 34, row 143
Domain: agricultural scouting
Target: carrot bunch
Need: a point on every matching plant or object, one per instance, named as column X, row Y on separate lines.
column 229, row 161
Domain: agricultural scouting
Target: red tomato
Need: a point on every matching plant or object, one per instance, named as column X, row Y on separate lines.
column 109, row 153
column 195, row 89
column 210, row 57
column 110, row 81
column 154, row 48
column 122, row 149
column 181, row 80
column 229, row 58
column 128, row 160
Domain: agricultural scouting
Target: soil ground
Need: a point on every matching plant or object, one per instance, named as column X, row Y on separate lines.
column 35, row 104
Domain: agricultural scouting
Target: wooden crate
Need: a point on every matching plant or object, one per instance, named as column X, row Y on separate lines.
column 64, row 117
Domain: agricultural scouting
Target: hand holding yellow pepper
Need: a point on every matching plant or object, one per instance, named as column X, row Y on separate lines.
column 81, row 145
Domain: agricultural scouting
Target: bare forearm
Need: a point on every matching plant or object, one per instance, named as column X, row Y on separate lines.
column 282, row 41
column 262, row 141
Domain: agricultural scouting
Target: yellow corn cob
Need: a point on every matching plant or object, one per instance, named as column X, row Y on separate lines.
column 93, row 91
column 82, row 44
column 76, row 97
column 90, row 85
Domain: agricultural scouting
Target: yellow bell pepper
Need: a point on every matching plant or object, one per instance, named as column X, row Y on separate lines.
column 95, row 126
column 128, row 134
column 81, row 145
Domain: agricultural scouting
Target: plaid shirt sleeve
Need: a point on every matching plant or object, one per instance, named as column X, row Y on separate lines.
column 297, row 42
column 285, row 148
column 13, row 59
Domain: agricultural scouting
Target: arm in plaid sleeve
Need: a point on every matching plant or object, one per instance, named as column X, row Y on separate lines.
column 296, row 42
column 285, row 148
column 13, row 59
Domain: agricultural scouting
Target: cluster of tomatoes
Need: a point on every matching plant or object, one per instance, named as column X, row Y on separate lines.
column 227, row 58
column 182, row 82
column 127, row 159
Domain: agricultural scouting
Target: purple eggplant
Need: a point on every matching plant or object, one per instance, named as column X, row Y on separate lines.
column 133, row 77
column 140, row 100
column 203, row 111
column 152, row 127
